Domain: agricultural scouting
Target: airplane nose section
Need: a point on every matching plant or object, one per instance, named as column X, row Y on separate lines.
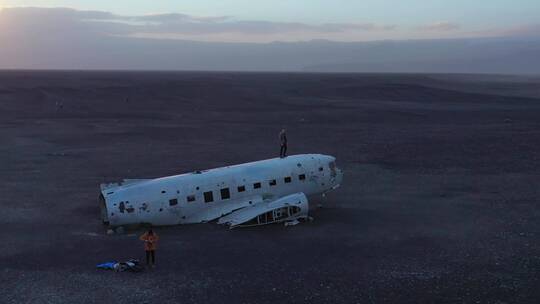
column 336, row 174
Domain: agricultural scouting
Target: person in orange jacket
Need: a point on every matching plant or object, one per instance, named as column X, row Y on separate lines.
column 150, row 244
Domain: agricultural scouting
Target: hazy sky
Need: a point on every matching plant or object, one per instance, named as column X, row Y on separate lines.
column 378, row 19
column 407, row 12
column 356, row 35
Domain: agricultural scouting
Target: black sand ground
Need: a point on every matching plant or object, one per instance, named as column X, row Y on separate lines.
column 439, row 202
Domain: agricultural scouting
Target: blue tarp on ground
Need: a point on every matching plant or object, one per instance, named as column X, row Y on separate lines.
column 108, row 265
column 130, row 265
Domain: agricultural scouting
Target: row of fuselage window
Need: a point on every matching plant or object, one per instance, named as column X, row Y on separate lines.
column 226, row 193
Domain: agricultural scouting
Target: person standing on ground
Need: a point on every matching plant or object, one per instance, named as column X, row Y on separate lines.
column 283, row 141
column 150, row 243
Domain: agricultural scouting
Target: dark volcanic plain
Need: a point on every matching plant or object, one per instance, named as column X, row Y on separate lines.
column 439, row 202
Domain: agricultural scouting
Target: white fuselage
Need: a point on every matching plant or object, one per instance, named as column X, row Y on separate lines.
column 203, row 196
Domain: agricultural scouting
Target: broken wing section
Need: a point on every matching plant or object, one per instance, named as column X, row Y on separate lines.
column 287, row 208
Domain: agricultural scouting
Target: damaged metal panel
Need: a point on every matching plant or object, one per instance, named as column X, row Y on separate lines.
column 288, row 208
column 215, row 212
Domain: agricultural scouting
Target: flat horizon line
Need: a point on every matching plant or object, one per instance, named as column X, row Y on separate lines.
column 38, row 70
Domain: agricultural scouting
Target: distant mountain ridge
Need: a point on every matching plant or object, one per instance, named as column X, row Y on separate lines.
column 472, row 55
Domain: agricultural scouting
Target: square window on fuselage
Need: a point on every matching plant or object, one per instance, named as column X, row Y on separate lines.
column 241, row 188
column 302, row 177
column 272, row 182
column 287, row 179
column 190, row 198
column 256, row 185
column 225, row 193
column 208, row 197
column 173, row 202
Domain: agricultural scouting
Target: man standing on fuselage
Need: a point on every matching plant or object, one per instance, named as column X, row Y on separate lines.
column 283, row 141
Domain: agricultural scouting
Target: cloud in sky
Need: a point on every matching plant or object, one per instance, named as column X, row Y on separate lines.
column 67, row 22
column 183, row 26
column 442, row 26
column 174, row 23
column 41, row 23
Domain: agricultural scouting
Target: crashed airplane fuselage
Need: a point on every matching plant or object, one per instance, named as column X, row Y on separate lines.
column 256, row 193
